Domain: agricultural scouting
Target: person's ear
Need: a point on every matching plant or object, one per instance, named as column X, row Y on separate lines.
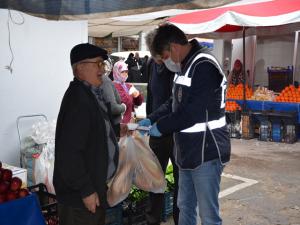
column 173, row 47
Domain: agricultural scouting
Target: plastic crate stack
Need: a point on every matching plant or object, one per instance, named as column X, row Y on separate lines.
column 47, row 202
column 233, row 120
column 270, row 126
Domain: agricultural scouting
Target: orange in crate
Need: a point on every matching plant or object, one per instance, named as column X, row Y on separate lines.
column 237, row 92
column 231, row 106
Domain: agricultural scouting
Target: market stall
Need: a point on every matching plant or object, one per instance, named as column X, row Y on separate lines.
column 256, row 18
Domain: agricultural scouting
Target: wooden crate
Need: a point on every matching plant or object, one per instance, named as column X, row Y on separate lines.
column 247, row 126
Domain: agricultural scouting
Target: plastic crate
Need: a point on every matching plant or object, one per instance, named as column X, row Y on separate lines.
column 47, row 202
column 276, row 132
column 114, row 215
column 233, row 120
column 134, row 213
column 290, row 133
column 264, row 131
column 247, row 126
column 290, row 127
column 168, row 205
column 233, row 117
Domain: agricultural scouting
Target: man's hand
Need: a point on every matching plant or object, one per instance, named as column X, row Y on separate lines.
column 91, row 202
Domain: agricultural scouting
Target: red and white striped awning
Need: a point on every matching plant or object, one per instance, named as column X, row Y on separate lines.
column 234, row 18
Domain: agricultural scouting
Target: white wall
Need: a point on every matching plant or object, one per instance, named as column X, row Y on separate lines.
column 272, row 51
column 237, row 53
column 218, row 50
column 41, row 72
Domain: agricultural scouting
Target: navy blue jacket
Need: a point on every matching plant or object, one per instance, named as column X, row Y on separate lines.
column 197, row 99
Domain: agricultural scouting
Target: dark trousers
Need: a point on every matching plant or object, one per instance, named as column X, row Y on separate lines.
column 163, row 149
column 79, row 216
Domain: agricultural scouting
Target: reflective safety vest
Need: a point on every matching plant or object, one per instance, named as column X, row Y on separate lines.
column 209, row 139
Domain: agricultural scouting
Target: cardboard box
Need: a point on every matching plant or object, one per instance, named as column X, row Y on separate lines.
column 17, row 172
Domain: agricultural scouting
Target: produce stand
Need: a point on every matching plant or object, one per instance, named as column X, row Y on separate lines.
column 274, row 106
column 268, row 121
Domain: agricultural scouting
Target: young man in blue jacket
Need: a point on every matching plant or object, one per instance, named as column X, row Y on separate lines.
column 197, row 119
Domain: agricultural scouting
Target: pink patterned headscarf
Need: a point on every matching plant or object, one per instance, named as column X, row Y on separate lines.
column 119, row 67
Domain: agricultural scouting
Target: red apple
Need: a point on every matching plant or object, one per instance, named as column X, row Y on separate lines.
column 4, row 186
column 6, row 175
column 2, row 198
column 15, row 183
column 11, row 195
column 23, row 192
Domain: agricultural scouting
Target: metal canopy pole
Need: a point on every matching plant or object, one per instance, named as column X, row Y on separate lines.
column 244, row 71
column 295, row 54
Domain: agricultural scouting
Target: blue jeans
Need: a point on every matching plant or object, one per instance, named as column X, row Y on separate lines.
column 202, row 186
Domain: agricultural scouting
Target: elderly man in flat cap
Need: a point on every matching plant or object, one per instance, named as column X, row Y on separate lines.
column 86, row 149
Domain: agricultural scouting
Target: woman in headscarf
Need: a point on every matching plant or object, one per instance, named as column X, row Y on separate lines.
column 236, row 75
column 130, row 96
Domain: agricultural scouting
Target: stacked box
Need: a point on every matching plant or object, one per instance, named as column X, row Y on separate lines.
column 247, row 126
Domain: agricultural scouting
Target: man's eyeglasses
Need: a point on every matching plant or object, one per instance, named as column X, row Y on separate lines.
column 105, row 65
column 100, row 64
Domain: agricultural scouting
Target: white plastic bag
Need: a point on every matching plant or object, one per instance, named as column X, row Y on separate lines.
column 148, row 174
column 43, row 133
column 138, row 165
column 44, row 167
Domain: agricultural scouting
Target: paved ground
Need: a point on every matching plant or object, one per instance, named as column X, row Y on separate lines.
column 275, row 199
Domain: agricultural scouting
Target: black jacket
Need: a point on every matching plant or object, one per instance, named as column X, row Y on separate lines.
column 160, row 82
column 81, row 152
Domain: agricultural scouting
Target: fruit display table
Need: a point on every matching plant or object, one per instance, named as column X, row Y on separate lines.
column 272, row 106
column 21, row 211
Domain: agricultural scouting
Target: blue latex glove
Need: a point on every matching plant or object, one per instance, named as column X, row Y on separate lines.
column 145, row 123
column 154, row 131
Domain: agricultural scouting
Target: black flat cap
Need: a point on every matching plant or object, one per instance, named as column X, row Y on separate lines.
column 86, row 51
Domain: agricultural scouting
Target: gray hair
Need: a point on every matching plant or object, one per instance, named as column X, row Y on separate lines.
column 74, row 69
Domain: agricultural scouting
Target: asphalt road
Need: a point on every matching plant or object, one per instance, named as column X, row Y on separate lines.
column 275, row 198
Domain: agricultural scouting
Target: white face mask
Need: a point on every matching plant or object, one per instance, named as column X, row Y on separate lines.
column 172, row 66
